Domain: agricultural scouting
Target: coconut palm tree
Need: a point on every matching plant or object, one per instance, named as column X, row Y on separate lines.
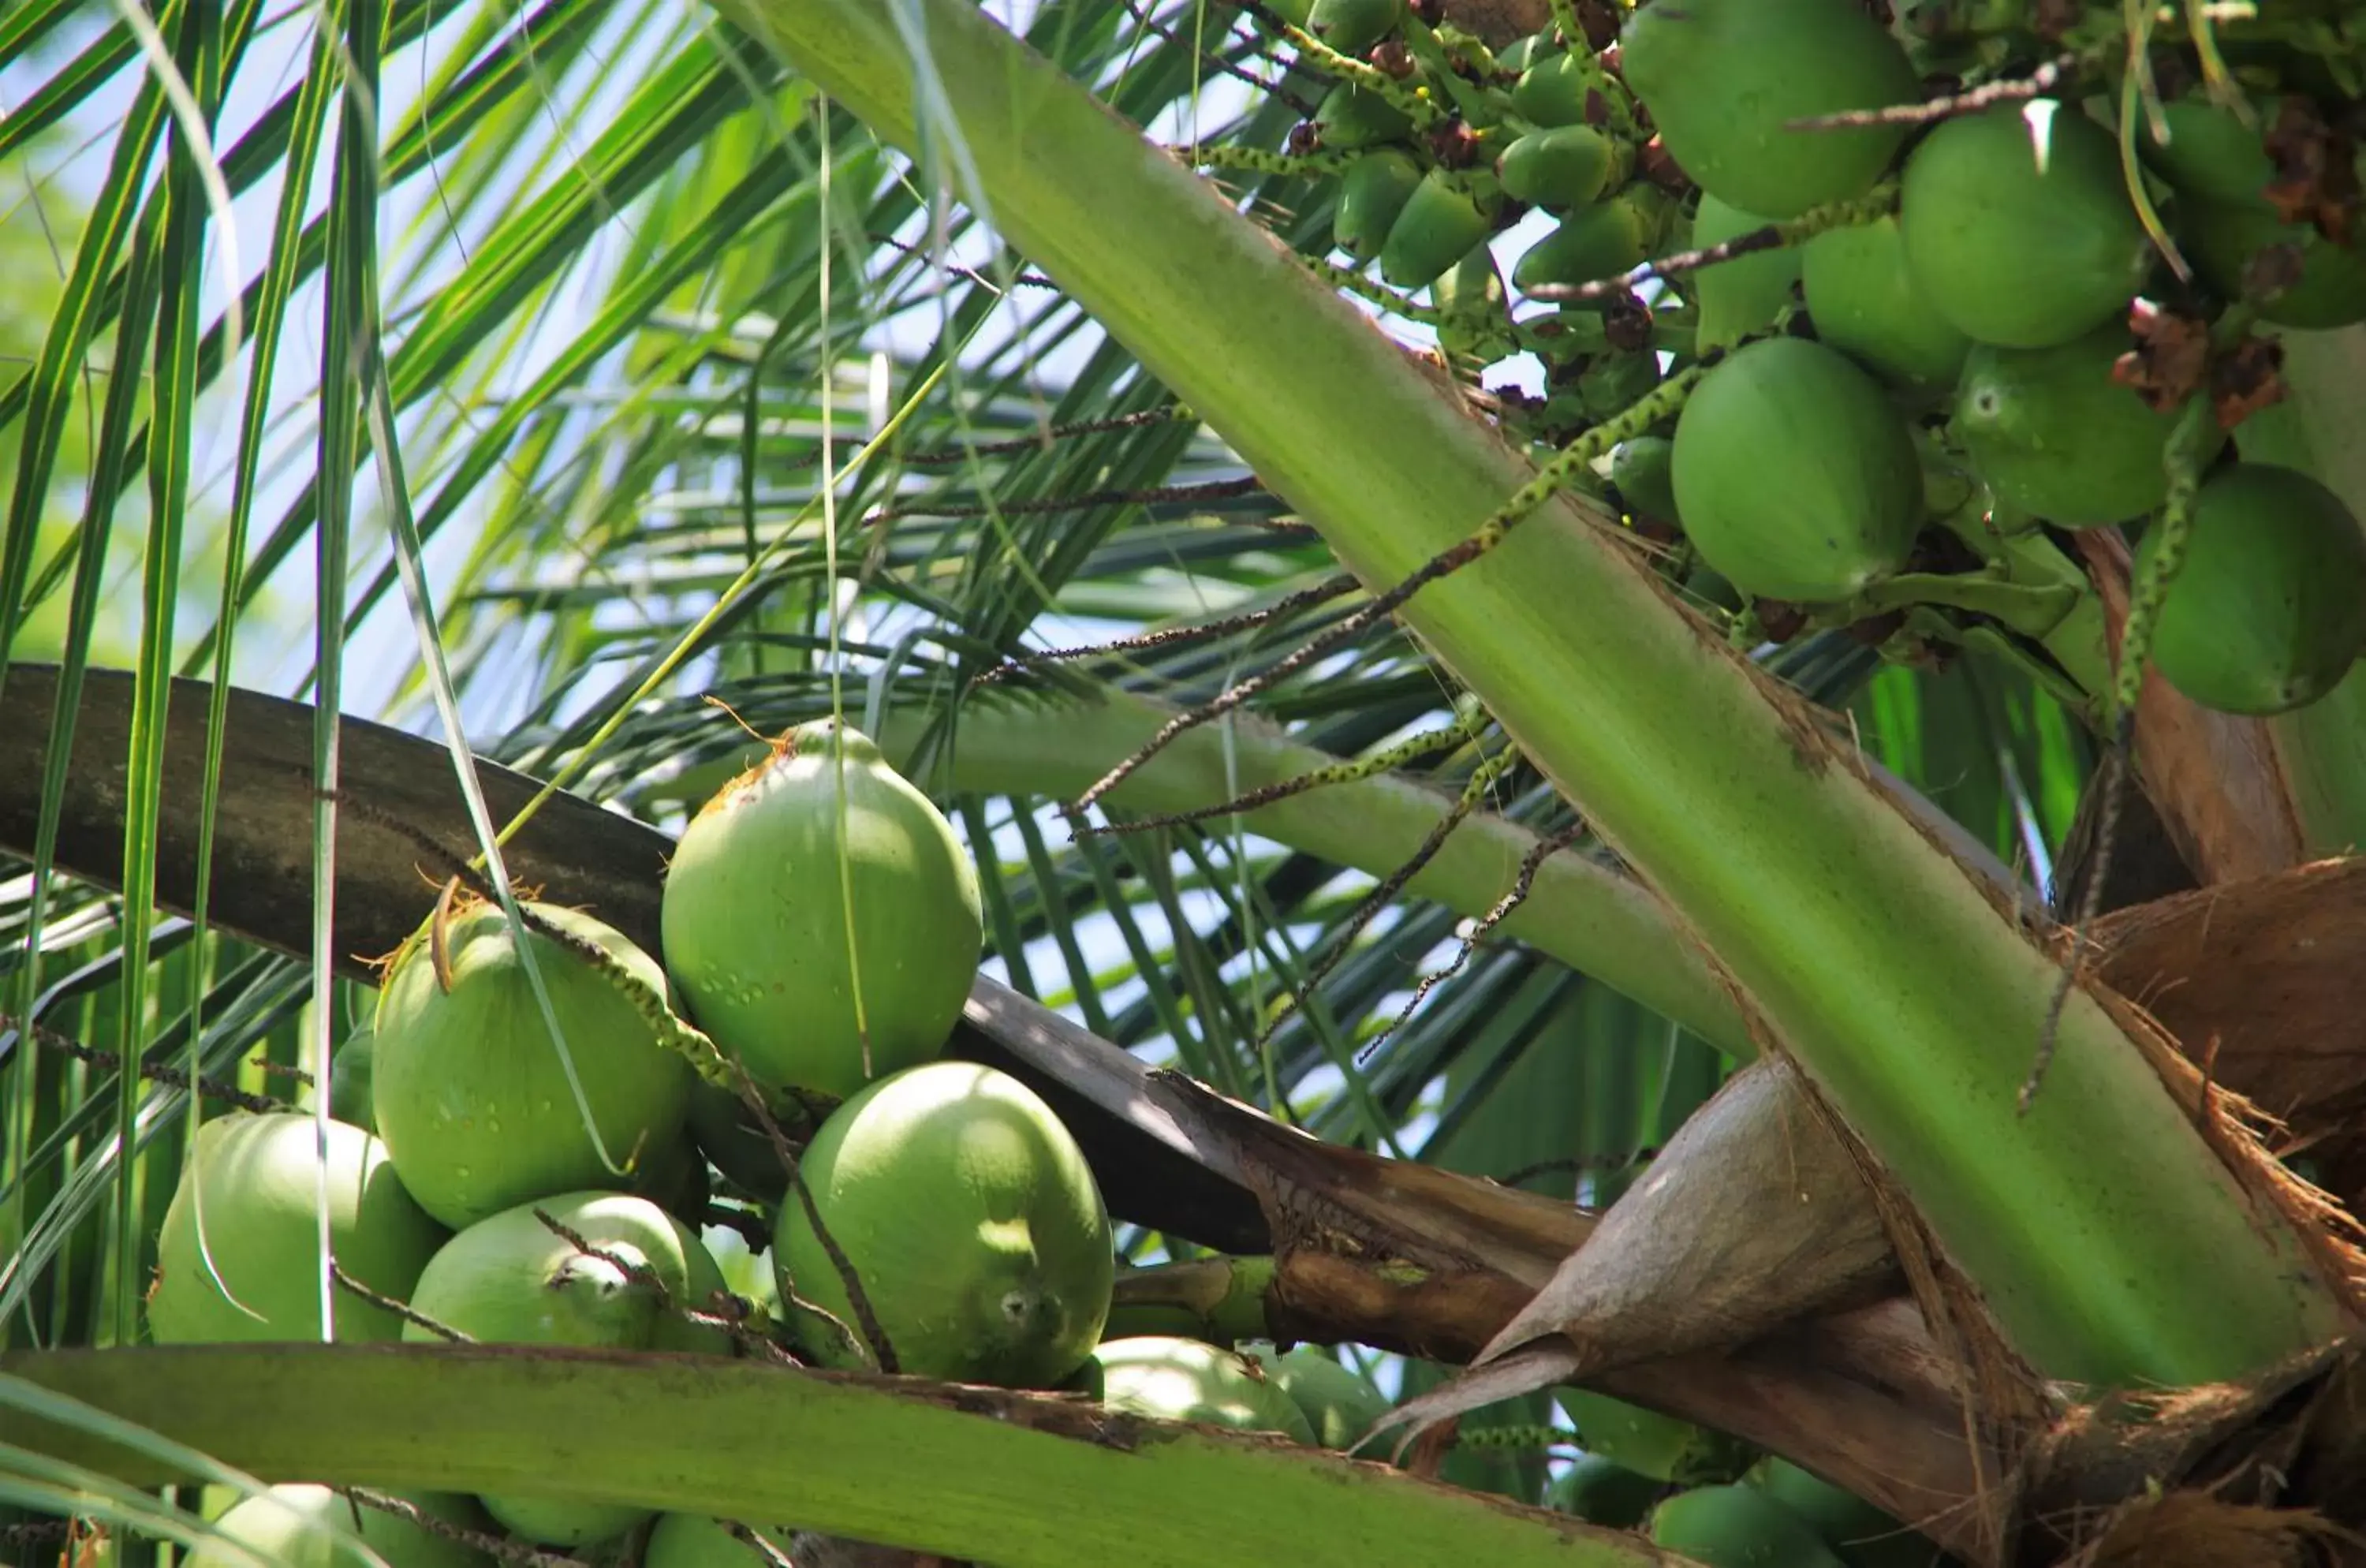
column 1622, row 1015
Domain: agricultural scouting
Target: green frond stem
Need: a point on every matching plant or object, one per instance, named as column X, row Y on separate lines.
column 960, row 1471
column 1581, row 913
column 1661, row 403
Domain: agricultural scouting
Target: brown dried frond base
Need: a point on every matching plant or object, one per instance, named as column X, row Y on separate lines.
column 2193, row 1530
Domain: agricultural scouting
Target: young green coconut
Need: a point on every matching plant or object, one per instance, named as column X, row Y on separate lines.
column 694, row 1541
column 1744, row 295
column 512, row 1280
column 1866, row 303
column 1338, row 1404
column 771, row 880
column 2268, row 611
column 1796, row 476
column 1603, row 1492
column 1724, row 79
column 2013, row 251
column 475, row 1102
column 1738, row 1527
column 256, row 1182
column 298, row 1525
column 1170, row 1378
column 969, row 1218
column 2055, row 435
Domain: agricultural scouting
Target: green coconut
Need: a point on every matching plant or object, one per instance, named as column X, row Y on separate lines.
column 1339, row 1405
column 1661, row 1447
column 2054, row 434
column 2013, row 255
column 1738, row 1527
column 2269, row 611
column 1557, row 90
column 767, row 885
column 1372, row 193
column 255, row 1181
column 1794, row 475
column 1864, row 302
column 2203, row 150
column 306, row 1527
column 1351, row 26
column 1724, row 79
column 1861, row 1535
column 2315, row 285
column 694, row 1541
column 1643, row 469
column 1561, row 166
column 1610, row 237
column 1603, row 1493
column 1351, row 118
column 1445, row 218
column 970, row 1218
column 1184, row 1380
column 512, row 1279
column 473, row 1097
column 1475, row 318
column 1743, row 295
column 349, row 1080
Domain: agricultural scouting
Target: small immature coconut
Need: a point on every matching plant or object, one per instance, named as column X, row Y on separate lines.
column 1338, row 1404
column 694, row 1541
column 2268, row 611
column 349, row 1081
column 254, row 1180
column 298, row 1527
column 512, row 1279
column 1860, row 1533
column 473, row 1097
column 1170, row 1378
column 970, row 1221
column 1738, row 1527
column 767, row 885
column 1603, row 1493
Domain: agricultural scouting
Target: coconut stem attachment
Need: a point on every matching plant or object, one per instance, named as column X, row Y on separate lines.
column 873, row 1340
column 733, row 1322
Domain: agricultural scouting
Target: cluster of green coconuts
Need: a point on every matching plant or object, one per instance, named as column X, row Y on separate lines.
column 1963, row 337
column 459, row 1131
column 467, row 1159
